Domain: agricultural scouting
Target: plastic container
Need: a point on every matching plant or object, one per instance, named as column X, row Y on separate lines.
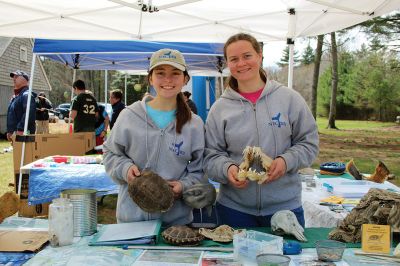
column 60, row 159
column 247, row 245
column 330, row 250
column 273, row 260
column 61, row 222
column 85, row 210
column 310, row 181
column 86, row 159
column 333, row 167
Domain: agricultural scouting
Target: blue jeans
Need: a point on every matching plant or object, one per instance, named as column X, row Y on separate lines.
column 239, row 219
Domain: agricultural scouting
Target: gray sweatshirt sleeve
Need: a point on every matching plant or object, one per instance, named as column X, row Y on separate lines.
column 216, row 160
column 305, row 140
column 195, row 172
column 115, row 161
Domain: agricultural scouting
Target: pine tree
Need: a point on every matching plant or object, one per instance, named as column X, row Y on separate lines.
column 308, row 55
column 376, row 44
column 285, row 57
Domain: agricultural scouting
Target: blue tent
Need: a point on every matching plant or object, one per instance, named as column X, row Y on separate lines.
column 126, row 55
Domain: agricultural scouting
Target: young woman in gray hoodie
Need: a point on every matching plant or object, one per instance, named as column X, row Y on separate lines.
column 255, row 111
column 159, row 134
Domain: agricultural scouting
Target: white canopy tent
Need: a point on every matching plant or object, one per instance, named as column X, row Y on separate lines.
column 184, row 20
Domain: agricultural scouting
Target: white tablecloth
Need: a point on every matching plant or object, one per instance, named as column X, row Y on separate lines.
column 316, row 215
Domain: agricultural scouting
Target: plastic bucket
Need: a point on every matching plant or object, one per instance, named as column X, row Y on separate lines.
column 85, row 210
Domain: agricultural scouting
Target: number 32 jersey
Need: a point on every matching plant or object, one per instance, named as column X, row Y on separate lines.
column 86, row 106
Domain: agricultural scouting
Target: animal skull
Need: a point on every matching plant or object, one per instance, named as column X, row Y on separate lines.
column 285, row 223
column 200, row 195
column 253, row 155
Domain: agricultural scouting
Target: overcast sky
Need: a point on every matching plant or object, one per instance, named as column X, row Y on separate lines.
column 273, row 51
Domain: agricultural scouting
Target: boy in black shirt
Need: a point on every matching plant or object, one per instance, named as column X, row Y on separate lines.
column 84, row 108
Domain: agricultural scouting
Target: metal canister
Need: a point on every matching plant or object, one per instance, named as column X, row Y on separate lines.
column 85, row 210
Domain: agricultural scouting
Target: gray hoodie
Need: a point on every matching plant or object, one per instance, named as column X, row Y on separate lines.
column 281, row 124
column 135, row 139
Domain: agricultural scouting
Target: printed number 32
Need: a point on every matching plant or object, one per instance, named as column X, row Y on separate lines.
column 89, row 109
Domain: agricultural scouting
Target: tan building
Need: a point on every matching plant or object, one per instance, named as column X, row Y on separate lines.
column 16, row 54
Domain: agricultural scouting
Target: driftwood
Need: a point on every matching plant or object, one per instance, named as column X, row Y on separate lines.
column 376, row 207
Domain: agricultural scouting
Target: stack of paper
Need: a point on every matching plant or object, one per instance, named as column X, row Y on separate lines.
column 127, row 234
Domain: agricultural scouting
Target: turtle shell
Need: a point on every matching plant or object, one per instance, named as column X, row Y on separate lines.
column 223, row 233
column 182, row 235
column 151, row 192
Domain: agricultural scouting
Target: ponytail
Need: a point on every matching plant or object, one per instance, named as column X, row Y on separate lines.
column 183, row 112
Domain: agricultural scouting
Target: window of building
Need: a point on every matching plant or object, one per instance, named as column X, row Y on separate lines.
column 23, row 53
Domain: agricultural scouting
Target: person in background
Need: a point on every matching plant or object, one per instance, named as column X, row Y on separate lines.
column 117, row 105
column 161, row 135
column 18, row 104
column 255, row 111
column 189, row 102
column 84, row 108
column 42, row 114
column 103, row 120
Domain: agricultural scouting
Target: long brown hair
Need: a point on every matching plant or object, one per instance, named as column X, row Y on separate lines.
column 231, row 81
column 183, row 113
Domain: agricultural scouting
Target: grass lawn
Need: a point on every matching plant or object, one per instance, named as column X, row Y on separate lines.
column 364, row 141
column 367, row 142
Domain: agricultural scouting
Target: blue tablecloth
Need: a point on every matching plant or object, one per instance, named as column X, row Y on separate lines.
column 46, row 183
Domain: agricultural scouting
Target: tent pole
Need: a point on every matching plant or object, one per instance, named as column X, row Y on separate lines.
column 28, row 106
column 72, row 96
column 126, row 81
column 105, row 85
column 290, row 42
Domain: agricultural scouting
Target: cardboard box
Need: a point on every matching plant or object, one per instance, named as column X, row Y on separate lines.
column 31, row 211
column 22, row 241
column 43, row 145
column 26, row 210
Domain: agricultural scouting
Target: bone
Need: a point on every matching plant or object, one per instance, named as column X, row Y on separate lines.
column 286, row 221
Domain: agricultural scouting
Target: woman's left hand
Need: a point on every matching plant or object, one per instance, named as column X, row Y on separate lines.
column 176, row 188
column 277, row 169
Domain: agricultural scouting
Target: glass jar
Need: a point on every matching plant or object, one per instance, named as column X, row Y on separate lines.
column 310, row 181
column 61, row 222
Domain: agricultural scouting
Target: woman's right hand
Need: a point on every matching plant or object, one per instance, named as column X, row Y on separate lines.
column 232, row 177
column 132, row 173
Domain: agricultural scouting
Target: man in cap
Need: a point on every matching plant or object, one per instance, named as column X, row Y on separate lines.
column 18, row 106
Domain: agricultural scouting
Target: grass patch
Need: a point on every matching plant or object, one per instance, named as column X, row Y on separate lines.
column 353, row 124
column 6, row 168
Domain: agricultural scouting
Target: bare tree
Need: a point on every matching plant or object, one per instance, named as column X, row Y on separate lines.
column 317, row 64
column 335, row 81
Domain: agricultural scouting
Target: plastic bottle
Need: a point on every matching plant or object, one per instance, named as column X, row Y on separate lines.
column 61, row 222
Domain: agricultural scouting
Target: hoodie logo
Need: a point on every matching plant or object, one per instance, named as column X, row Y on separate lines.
column 276, row 121
column 176, row 148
